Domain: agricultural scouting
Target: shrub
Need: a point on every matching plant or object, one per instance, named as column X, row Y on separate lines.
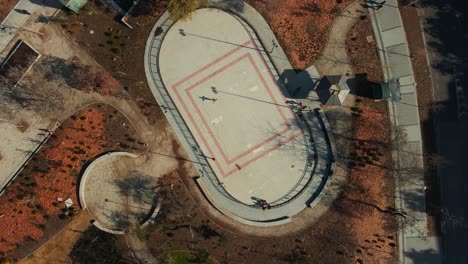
column 115, row 50
column 73, row 172
column 336, row 9
column 124, row 146
column 182, row 9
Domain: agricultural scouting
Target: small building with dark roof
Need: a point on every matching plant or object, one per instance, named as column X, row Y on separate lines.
column 333, row 89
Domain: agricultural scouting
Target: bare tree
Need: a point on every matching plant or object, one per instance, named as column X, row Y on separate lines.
column 183, row 9
column 30, row 91
column 407, row 163
column 81, row 78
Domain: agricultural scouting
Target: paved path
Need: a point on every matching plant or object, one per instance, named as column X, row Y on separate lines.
column 334, row 58
column 404, row 113
column 208, row 181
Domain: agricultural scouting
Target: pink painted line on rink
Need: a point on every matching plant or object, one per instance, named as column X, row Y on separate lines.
column 276, row 84
column 243, row 45
column 210, row 151
column 220, row 149
column 205, row 123
column 229, row 161
column 299, row 133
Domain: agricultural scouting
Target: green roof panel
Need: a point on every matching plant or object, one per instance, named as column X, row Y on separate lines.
column 76, row 5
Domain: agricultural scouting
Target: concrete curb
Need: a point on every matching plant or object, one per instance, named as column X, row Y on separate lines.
column 153, row 214
column 208, row 182
column 107, row 230
column 84, row 176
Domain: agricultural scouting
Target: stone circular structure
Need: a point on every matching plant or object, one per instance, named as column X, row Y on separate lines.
column 115, row 193
column 231, row 111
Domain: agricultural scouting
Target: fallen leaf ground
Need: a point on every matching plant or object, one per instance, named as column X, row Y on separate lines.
column 302, row 27
column 6, row 7
column 29, row 206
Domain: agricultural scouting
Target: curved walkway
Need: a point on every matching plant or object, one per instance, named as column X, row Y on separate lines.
column 208, row 182
column 334, row 59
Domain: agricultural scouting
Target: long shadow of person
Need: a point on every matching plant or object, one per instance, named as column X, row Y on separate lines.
column 23, row 11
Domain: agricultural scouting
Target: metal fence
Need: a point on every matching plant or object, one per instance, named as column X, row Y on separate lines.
column 168, row 104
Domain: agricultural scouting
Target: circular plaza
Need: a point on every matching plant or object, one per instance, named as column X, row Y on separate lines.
column 117, row 192
column 249, row 141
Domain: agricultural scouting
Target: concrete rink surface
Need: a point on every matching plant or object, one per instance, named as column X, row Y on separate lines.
column 233, row 106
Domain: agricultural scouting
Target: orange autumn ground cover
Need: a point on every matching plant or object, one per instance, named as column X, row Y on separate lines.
column 301, row 26
column 373, row 202
column 5, row 8
column 52, row 173
column 29, row 211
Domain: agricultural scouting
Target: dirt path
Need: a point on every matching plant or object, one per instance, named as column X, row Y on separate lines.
column 334, row 58
column 139, row 248
column 56, row 250
column 159, row 160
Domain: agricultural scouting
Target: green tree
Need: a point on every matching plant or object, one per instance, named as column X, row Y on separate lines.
column 182, row 9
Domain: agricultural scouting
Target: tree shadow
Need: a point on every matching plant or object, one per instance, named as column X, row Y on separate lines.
column 444, row 26
column 140, row 187
column 296, row 147
column 54, row 68
column 414, row 200
column 43, row 19
column 427, row 256
column 120, row 219
column 148, row 7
